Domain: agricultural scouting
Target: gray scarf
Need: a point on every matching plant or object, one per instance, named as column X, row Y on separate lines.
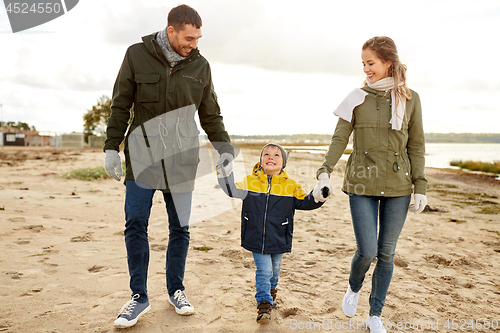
column 173, row 57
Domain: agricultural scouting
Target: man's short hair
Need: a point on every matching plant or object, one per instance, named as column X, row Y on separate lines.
column 182, row 15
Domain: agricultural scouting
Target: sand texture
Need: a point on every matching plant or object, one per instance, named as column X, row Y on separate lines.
column 63, row 262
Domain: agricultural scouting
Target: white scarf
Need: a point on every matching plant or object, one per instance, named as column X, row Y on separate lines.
column 357, row 96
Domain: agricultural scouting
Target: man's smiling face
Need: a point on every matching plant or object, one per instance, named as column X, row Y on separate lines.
column 184, row 40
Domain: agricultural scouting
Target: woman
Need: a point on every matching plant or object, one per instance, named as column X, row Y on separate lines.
column 387, row 159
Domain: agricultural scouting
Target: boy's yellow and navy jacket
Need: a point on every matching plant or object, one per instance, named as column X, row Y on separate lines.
column 269, row 204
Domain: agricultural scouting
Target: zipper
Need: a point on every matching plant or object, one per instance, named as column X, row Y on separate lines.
column 192, row 78
column 167, row 65
column 265, row 213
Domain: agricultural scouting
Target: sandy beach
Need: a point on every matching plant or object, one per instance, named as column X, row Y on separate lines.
column 63, row 262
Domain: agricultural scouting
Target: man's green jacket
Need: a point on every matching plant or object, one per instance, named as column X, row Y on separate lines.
column 162, row 134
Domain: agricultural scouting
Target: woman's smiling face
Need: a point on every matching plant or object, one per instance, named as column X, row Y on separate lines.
column 374, row 68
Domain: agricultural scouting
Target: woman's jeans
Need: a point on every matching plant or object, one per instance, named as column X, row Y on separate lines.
column 266, row 275
column 138, row 202
column 391, row 212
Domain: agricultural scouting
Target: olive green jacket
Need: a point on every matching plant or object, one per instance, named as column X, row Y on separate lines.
column 164, row 101
column 384, row 162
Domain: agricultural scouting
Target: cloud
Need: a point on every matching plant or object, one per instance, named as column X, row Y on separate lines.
column 67, row 78
column 260, row 51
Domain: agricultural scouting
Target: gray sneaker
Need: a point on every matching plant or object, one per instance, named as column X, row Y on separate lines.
column 181, row 303
column 131, row 312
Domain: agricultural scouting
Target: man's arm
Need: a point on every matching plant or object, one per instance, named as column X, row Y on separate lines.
column 123, row 99
column 211, row 119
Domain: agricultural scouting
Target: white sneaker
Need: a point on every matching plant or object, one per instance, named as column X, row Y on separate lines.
column 375, row 324
column 350, row 302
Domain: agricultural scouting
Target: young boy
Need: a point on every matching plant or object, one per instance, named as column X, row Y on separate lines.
column 270, row 198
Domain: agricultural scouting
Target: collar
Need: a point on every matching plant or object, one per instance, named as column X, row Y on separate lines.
column 258, row 172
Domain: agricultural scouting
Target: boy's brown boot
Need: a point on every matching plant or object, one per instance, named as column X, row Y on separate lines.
column 264, row 314
column 273, row 294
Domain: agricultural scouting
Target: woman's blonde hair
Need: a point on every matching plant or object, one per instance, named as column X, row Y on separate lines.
column 386, row 50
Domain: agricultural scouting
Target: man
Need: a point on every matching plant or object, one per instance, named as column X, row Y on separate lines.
column 165, row 80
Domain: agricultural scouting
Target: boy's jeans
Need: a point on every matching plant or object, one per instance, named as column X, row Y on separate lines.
column 266, row 275
column 138, row 202
column 392, row 213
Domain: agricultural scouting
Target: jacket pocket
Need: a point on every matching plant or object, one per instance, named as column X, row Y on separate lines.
column 252, row 230
column 278, row 232
column 188, row 142
column 148, row 87
column 399, row 171
column 365, row 136
column 244, row 222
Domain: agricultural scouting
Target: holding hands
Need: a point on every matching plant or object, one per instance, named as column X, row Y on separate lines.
column 225, row 165
column 323, row 188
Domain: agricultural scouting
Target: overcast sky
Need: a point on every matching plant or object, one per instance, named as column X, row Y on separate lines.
column 278, row 67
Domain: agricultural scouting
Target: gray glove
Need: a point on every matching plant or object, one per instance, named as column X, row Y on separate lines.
column 112, row 162
column 225, row 165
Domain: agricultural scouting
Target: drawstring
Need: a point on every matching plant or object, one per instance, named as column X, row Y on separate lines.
column 163, row 131
column 177, row 134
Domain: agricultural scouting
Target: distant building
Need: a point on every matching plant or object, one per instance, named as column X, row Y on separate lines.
column 37, row 140
column 13, row 139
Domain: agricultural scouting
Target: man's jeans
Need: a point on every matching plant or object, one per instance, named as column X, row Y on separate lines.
column 266, row 275
column 391, row 212
column 138, row 202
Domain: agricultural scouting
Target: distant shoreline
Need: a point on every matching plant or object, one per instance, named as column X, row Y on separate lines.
column 320, row 139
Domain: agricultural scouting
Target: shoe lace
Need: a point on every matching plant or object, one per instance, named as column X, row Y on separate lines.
column 351, row 299
column 181, row 298
column 376, row 322
column 128, row 308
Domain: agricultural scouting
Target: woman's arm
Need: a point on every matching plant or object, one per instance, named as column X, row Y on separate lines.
column 337, row 147
column 416, row 147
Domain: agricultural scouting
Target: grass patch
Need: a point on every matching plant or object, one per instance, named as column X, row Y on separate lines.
column 478, row 166
column 492, row 210
column 91, row 173
column 202, row 248
column 87, row 174
column 481, row 201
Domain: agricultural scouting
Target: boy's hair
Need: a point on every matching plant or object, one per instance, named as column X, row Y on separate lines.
column 182, row 15
column 284, row 153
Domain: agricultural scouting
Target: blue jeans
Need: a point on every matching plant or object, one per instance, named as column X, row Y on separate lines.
column 391, row 211
column 138, row 202
column 266, row 275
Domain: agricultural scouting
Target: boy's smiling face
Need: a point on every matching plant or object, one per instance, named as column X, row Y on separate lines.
column 272, row 160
